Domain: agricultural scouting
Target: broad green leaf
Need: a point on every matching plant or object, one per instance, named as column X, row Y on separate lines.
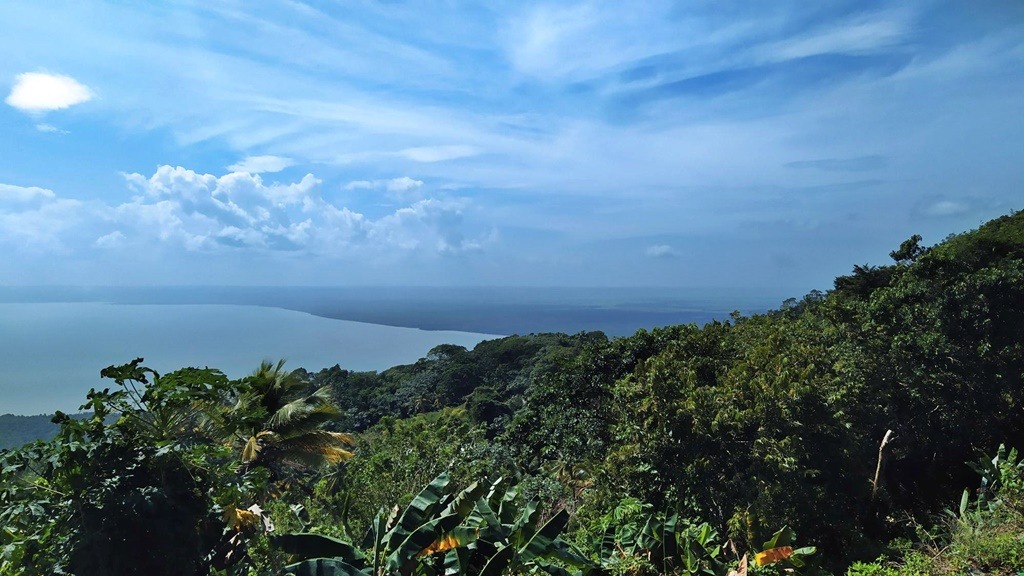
column 458, row 537
column 318, row 546
column 497, row 563
column 324, row 567
column 419, row 539
column 570, row 555
column 784, row 537
column 525, row 524
column 539, row 545
column 456, row 562
column 465, row 502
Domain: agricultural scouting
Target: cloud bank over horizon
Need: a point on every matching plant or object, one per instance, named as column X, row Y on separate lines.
column 578, row 143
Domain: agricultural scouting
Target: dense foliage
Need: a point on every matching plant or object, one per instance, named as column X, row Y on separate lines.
column 846, row 418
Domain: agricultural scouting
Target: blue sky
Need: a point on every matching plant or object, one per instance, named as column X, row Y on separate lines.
column 692, row 144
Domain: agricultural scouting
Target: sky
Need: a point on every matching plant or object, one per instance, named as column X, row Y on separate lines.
column 694, row 144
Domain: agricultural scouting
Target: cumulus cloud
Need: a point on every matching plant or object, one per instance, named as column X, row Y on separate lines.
column 434, row 223
column 10, row 192
column 660, row 251
column 179, row 209
column 402, row 188
column 403, row 184
column 262, row 164
column 41, row 228
column 203, row 210
column 108, row 241
column 37, row 92
column 361, row 185
column 239, row 210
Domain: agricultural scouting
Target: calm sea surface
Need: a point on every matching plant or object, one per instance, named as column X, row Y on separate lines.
column 52, row 353
column 55, row 340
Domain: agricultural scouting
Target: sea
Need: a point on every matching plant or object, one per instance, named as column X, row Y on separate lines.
column 55, row 340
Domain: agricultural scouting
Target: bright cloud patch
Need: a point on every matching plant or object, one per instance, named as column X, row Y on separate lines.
column 41, row 92
column 660, row 251
column 402, row 188
column 113, row 240
column 403, row 184
column 203, row 212
column 34, row 220
column 10, row 192
column 50, row 129
column 262, row 164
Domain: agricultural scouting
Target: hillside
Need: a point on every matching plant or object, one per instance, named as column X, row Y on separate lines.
column 848, row 417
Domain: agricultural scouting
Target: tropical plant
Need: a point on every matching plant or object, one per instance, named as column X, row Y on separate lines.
column 480, row 530
column 634, row 537
column 136, row 475
column 284, row 422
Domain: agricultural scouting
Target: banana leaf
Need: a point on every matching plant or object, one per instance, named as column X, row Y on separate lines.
column 324, row 567
column 318, row 546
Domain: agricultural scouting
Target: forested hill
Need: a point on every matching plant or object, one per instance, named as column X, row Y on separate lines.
column 752, row 424
column 17, row 430
column 848, row 416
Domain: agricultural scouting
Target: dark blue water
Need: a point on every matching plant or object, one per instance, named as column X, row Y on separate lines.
column 615, row 311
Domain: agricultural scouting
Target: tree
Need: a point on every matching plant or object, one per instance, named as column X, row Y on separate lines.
column 284, row 422
column 909, row 251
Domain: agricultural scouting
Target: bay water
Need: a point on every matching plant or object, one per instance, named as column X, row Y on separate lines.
column 52, row 353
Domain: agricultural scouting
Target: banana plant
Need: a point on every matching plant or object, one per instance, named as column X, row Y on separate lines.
column 481, row 530
column 512, row 539
column 779, row 552
column 670, row 544
column 992, row 471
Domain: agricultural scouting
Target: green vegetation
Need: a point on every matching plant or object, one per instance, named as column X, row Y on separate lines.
column 836, row 434
column 19, row 430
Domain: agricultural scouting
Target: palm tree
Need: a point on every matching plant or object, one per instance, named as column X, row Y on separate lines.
column 284, row 422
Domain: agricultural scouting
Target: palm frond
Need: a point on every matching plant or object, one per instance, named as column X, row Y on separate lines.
column 312, row 449
column 310, row 422
column 302, row 407
column 251, row 450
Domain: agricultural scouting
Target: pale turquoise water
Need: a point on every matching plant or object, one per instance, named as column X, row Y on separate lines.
column 52, row 353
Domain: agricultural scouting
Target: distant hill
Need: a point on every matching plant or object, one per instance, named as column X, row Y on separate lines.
column 18, row 430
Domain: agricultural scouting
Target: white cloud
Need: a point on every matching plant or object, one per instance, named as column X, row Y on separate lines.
column 559, row 41
column 41, row 92
column 660, row 251
column 262, row 164
column 204, row 212
column 109, row 241
column 438, row 153
column 434, row 223
column 864, row 34
column 51, row 129
column 402, row 188
column 42, row 229
column 403, row 184
column 946, row 208
column 361, row 185
column 14, row 193
column 545, row 35
column 400, row 184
